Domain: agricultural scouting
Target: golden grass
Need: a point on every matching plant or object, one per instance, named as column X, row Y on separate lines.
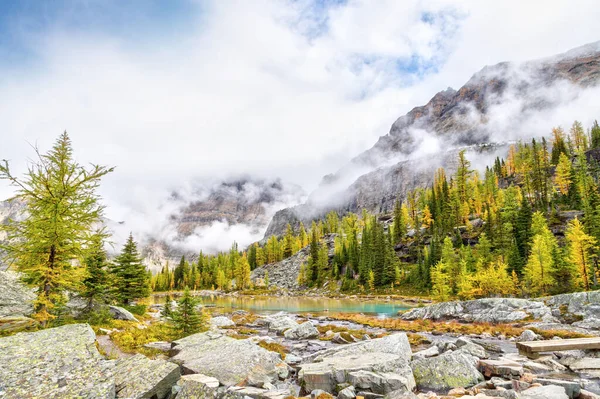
column 274, row 347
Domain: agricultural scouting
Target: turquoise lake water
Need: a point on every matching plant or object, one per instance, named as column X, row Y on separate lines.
column 303, row 305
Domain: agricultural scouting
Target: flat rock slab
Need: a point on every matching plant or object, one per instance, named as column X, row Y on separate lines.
column 229, row 360
column 396, row 344
column 138, row 377
column 545, row 392
column 447, row 371
column 60, row 362
column 15, row 298
column 587, row 363
column 331, row 371
column 500, row 368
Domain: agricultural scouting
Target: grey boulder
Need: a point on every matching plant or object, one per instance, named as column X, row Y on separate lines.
column 302, row 331
column 447, row 371
column 138, row 377
column 545, row 392
column 120, row 313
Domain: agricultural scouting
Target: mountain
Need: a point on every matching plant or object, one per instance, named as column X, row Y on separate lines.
column 503, row 102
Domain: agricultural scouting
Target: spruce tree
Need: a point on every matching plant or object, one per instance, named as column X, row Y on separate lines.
column 132, row 280
column 186, row 318
column 62, row 209
column 96, row 284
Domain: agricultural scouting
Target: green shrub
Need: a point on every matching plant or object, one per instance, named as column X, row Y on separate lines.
column 139, row 310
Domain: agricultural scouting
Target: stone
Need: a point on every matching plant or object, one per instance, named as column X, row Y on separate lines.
column 292, row 359
column 545, row 392
column 449, row 370
column 15, row 298
column 229, row 360
column 159, row 345
column 305, row 330
column 380, row 383
column 315, row 393
column 395, row 344
column 501, row 368
column 586, row 363
column 347, row 393
column 401, row 394
column 338, row 339
column 221, row 322
column 120, row 313
column 195, row 386
column 473, row 350
column 278, row 323
column 572, row 388
column 11, row 324
column 583, row 394
column 138, row 377
column 528, row 335
column 429, row 352
column 499, row 393
column 54, row 363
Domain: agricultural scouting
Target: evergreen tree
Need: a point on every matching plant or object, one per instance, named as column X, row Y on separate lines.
column 562, row 175
column 167, row 312
column 96, row 284
column 132, row 281
column 242, row 273
column 186, row 318
column 580, row 256
column 595, row 135
column 62, row 207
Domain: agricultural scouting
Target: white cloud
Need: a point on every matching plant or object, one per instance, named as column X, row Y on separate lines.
column 272, row 88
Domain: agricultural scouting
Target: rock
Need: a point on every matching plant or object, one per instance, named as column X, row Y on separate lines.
column 401, row 394
column 221, row 322
column 293, row 359
column 586, row 363
column 60, row 362
column 302, row 331
column 583, row 394
column 16, row 323
column 338, row 339
column 473, row 350
column 15, row 298
column 159, row 345
column 347, row 393
column 315, row 393
column 545, row 392
column 369, row 395
column 501, row 368
column 119, row 313
column 195, row 386
column 572, row 388
column 528, row 335
column 380, row 383
column 138, row 377
column 227, row 359
column 396, row 344
column 449, row 370
column 429, row 352
column 462, row 341
column 279, row 323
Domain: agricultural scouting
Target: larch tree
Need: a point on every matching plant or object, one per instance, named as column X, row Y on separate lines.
column 132, row 280
column 62, row 209
column 562, row 175
column 580, row 245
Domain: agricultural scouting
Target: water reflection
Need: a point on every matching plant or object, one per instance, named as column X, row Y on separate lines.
column 302, row 304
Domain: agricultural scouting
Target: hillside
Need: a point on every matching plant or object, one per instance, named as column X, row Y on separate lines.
column 499, row 103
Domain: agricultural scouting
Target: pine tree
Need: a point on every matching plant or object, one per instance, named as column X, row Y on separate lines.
column 131, row 279
column 167, row 312
column 595, row 133
column 185, row 318
column 242, row 273
column 96, row 284
column 62, row 208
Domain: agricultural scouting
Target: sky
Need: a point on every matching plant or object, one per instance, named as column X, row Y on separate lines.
column 178, row 92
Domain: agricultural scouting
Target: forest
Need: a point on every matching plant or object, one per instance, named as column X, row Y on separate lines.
column 497, row 232
column 527, row 225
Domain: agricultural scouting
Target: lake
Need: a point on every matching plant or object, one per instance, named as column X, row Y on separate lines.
column 302, row 305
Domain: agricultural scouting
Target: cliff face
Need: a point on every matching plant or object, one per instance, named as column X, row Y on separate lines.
column 404, row 158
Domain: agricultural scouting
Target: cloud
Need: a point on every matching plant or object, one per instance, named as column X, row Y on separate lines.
column 271, row 88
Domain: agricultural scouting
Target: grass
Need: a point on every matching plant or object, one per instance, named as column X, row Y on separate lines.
column 274, row 347
column 345, row 333
column 450, row 327
column 133, row 339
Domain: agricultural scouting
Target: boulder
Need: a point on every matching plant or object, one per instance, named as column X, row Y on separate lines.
column 585, row 364
column 572, row 388
column 329, row 367
column 16, row 323
column 60, row 362
column 429, row 352
column 138, row 377
column 473, row 350
column 221, row 322
column 401, row 395
column 278, row 323
column 302, row 331
column 120, row 313
column 15, row 299
column 380, row 383
column 331, row 371
column 501, row 368
column 347, row 393
column 229, row 360
column 195, row 386
column 545, row 392
column 449, row 370
column 528, row 335
column 159, row 345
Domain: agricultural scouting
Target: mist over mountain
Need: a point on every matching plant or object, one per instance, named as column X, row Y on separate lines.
column 501, row 103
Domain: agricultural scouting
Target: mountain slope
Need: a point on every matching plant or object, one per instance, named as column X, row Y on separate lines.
column 499, row 103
